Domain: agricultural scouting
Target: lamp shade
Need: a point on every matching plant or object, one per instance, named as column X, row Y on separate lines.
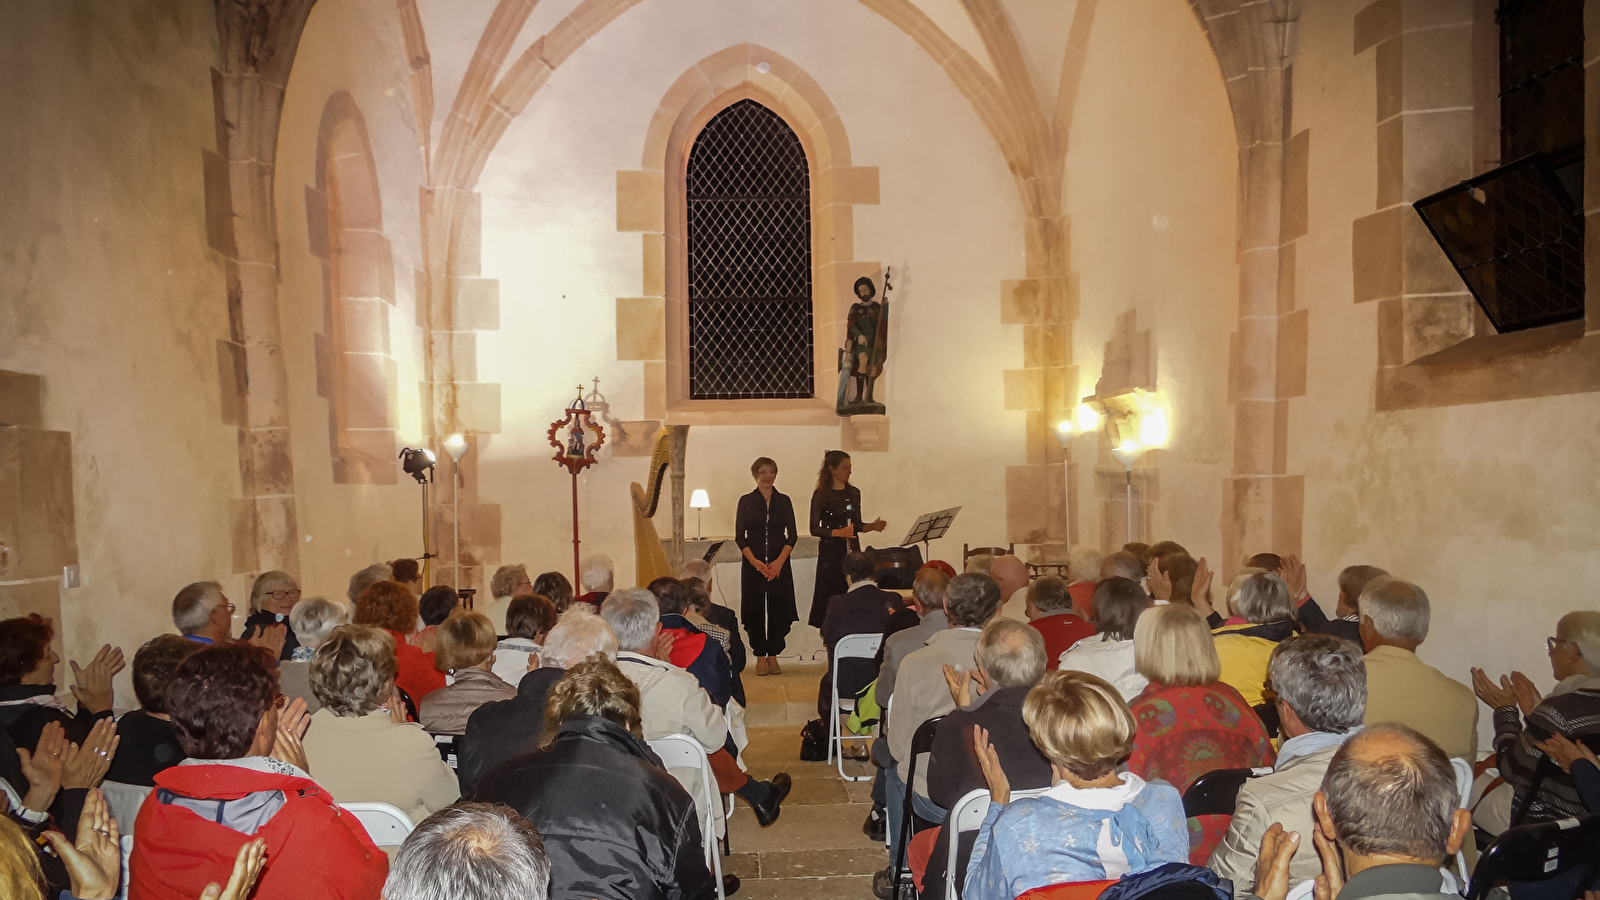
column 699, row 499
column 456, row 446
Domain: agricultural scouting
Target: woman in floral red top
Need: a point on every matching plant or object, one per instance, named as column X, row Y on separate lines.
column 1189, row 723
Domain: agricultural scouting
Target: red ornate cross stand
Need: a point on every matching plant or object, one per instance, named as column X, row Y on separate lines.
column 576, row 453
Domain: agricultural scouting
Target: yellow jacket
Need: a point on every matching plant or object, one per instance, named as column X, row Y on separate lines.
column 1244, row 651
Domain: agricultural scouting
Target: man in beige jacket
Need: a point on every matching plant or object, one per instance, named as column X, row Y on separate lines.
column 1403, row 688
column 1321, row 683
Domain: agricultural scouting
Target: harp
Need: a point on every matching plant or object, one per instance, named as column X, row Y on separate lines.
column 650, row 559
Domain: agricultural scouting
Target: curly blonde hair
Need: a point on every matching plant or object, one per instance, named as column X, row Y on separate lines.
column 352, row 671
column 593, row 687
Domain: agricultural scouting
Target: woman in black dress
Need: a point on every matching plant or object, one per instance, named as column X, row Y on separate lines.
column 765, row 531
column 836, row 522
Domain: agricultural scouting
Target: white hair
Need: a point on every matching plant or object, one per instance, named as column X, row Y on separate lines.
column 1264, row 598
column 632, row 613
column 313, row 620
column 1582, row 628
column 696, row 568
column 578, row 635
column 1083, row 564
column 597, row 572
column 191, row 609
column 1398, row 609
column 471, row 851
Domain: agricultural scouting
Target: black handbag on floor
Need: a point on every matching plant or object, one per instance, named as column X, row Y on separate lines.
column 814, row 742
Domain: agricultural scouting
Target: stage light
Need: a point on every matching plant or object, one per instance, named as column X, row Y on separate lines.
column 1153, row 430
column 1088, row 419
column 456, row 446
column 418, row 464
column 1127, row 453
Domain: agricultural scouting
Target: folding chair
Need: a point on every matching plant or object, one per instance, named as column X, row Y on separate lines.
column 967, row 816
column 1540, row 852
column 386, row 824
column 1215, row 792
column 1464, row 779
column 123, row 802
column 921, row 742
column 851, row 646
column 448, row 751
column 680, row 751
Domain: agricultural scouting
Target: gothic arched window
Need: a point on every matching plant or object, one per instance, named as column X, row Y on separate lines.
column 749, row 249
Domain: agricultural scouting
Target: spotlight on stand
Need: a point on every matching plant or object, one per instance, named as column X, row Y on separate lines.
column 418, row 464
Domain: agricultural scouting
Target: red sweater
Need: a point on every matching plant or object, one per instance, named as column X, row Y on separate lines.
column 314, row 849
column 414, row 669
column 1061, row 631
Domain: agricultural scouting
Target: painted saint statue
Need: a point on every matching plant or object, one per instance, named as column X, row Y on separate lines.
column 866, row 347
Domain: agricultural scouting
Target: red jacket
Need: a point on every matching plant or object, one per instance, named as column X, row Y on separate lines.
column 414, row 669
column 1060, row 631
column 314, row 849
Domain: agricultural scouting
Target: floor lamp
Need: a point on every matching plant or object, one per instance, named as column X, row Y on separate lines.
column 456, row 445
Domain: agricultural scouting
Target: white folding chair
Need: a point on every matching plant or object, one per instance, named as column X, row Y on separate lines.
column 851, row 646
column 385, row 823
column 127, row 854
column 123, row 802
column 680, row 751
column 1464, row 779
column 968, row 815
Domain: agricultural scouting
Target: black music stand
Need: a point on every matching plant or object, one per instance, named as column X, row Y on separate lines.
column 930, row 527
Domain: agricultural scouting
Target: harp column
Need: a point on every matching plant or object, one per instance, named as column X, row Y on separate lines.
column 680, row 446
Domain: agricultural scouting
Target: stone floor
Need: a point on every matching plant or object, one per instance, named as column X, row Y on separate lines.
column 815, row 851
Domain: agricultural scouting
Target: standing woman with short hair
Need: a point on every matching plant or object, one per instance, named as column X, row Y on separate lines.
column 765, row 530
column 836, row 522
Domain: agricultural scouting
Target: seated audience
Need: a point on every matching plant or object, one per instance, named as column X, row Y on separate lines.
column 311, row 621
column 466, row 651
column 203, row 614
column 147, row 743
column 1010, row 660
column 433, row 607
column 28, row 683
column 692, row 649
column 672, row 702
column 1109, row 654
column 596, row 576
column 1572, row 709
column 371, row 575
column 1083, row 570
column 1321, row 684
column 1094, row 823
column 504, row 728
column 88, row 868
column 471, row 851
column 719, row 615
column 508, row 584
column 1178, row 579
column 863, row 609
column 1403, row 688
column 1189, row 723
column 1580, row 762
column 360, row 745
column 1011, row 574
column 1386, row 817
column 407, row 573
column 1293, row 573
column 245, row 779
column 391, row 607
column 615, row 826
column 1122, row 564
column 272, row 598
column 528, row 620
column 927, row 601
column 555, row 586
column 732, row 645
column 1163, row 549
column 1346, row 622
column 921, row 692
column 1268, row 617
column 1050, row 612
column 978, row 564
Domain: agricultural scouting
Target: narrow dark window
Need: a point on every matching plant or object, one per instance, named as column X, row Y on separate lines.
column 749, row 199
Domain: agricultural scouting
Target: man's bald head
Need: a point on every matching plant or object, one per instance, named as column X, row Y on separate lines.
column 1010, row 573
column 1390, row 791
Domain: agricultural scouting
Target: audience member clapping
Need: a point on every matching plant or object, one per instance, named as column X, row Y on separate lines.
column 466, row 651
column 1321, row 684
column 615, row 826
column 28, row 683
column 1109, row 654
column 1084, row 728
column 528, row 620
column 509, row 583
column 311, row 621
column 1403, row 688
column 391, row 607
column 272, row 597
column 1267, row 617
column 148, row 742
column 245, row 778
column 505, row 728
column 471, row 851
column 360, row 745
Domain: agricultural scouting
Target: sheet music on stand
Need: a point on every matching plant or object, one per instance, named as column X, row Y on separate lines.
column 930, row 527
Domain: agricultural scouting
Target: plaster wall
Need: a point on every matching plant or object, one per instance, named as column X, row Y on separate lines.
column 1150, row 185
column 1492, row 508
column 949, row 223
column 354, row 46
column 109, row 292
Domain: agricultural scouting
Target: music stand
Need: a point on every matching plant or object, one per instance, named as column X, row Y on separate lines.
column 929, row 527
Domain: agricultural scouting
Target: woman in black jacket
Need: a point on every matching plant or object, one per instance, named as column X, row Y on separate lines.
column 836, row 522
column 272, row 596
column 616, row 826
column 765, row 531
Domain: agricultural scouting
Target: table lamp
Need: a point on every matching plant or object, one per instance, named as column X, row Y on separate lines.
column 697, row 501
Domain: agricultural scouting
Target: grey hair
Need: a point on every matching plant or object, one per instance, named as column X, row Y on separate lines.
column 1264, row 598
column 1323, row 679
column 632, row 613
column 1582, row 628
column 980, row 563
column 191, row 609
column 578, row 634
column 1400, row 803
column 1083, row 564
column 1398, row 609
column 471, row 851
column 314, row 619
column 1122, row 564
column 695, row 568
column 258, row 590
column 368, row 577
column 596, row 572
column 1010, row 652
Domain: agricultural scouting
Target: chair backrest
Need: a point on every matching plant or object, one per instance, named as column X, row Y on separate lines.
column 1215, row 792
column 1537, row 852
column 968, row 816
column 127, row 853
column 969, row 552
column 123, row 801
column 1464, row 779
column 447, row 745
column 857, row 646
column 680, row 751
column 385, row 823
column 922, row 739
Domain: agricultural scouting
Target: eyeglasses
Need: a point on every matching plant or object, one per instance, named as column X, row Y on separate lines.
column 229, row 607
column 281, row 595
column 1551, row 643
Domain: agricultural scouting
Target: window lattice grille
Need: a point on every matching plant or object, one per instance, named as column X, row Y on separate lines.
column 749, row 199
column 1541, row 76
